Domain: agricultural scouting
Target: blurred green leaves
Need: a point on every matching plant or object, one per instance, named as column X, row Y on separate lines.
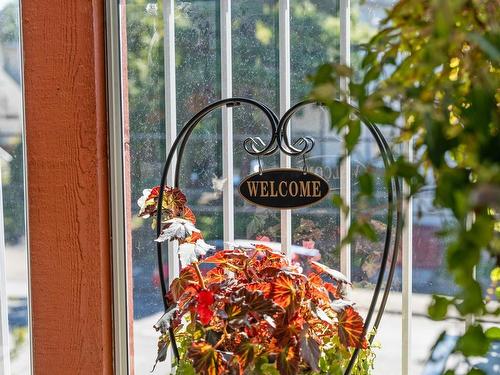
column 432, row 73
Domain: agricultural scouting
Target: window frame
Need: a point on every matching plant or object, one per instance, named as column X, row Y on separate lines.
column 121, row 264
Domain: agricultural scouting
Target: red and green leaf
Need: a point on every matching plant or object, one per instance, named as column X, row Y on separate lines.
column 224, row 257
column 351, row 328
column 288, row 361
column 187, row 278
column 246, row 353
column 309, row 349
column 284, row 291
column 215, row 275
column 174, row 199
column 206, row 359
column 259, row 304
column 188, row 214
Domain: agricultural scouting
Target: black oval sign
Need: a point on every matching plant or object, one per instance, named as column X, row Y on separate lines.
column 284, row 188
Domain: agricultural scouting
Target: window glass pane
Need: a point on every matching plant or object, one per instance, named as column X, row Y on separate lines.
column 429, row 276
column 367, row 255
column 197, row 67
column 256, row 76
column 314, row 39
column 14, row 331
column 144, row 125
column 197, row 51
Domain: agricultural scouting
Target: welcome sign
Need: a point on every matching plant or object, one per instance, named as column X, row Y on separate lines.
column 284, row 188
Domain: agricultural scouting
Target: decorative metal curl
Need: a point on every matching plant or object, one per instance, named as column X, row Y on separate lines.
column 284, row 145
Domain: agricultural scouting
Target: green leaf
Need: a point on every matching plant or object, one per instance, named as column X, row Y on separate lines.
column 339, row 114
column 495, row 275
column 339, row 202
column 472, row 298
column 352, row 137
column 476, row 371
column 439, row 307
column 381, row 115
column 366, row 184
column 490, row 49
column 474, row 342
column 372, row 74
column 185, row 368
column 493, row 333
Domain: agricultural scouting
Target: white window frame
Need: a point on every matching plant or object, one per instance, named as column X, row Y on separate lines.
column 121, row 318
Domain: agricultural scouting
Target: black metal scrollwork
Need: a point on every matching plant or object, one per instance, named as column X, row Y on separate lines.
column 300, row 147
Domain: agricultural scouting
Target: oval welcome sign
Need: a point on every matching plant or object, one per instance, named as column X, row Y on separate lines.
column 284, row 188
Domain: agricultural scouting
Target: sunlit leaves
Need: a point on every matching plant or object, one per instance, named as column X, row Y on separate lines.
column 255, row 305
column 187, row 278
column 288, row 361
column 246, row 353
column 474, row 342
column 350, row 328
column 335, row 275
column 205, row 299
column 284, row 291
column 206, row 359
column 215, row 275
column 439, row 307
column 253, row 310
column 435, row 64
column 309, row 349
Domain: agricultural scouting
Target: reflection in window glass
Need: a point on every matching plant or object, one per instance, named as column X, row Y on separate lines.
column 314, row 39
column 429, row 275
column 256, row 76
column 13, row 251
column 366, row 255
column 146, row 131
column 197, row 50
column 197, row 76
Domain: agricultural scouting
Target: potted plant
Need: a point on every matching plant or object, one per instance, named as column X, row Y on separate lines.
column 252, row 311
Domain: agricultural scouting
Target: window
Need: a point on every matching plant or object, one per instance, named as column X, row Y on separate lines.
column 14, row 316
column 177, row 57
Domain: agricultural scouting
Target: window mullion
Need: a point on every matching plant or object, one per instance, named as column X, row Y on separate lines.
column 407, row 252
column 119, row 207
column 170, row 112
column 170, row 125
column 345, row 165
column 284, row 94
column 227, row 120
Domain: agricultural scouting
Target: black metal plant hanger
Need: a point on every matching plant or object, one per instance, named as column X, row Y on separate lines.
column 279, row 141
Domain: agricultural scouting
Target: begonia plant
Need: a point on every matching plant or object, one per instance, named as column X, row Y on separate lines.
column 251, row 310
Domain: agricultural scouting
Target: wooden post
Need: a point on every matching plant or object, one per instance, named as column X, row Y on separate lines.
column 68, row 203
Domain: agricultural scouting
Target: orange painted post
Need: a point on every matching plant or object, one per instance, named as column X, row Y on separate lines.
column 67, row 161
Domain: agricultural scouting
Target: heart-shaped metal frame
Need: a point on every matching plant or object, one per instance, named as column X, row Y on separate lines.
column 279, row 141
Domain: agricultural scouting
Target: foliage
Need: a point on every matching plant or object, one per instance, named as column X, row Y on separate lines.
column 13, row 194
column 9, row 23
column 253, row 310
column 432, row 71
